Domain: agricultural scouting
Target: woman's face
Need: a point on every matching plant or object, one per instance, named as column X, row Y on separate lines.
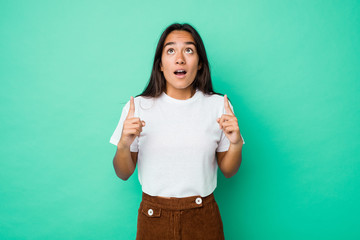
column 179, row 53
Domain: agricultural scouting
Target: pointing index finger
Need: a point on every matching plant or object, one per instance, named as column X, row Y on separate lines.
column 132, row 108
column 227, row 106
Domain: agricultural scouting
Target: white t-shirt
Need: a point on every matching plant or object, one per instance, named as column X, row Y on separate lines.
column 176, row 148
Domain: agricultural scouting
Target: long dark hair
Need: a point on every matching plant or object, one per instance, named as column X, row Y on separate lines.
column 202, row 81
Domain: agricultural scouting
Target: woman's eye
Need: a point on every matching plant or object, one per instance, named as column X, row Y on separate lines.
column 188, row 50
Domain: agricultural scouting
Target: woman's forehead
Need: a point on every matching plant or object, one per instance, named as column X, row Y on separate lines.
column 178, row 36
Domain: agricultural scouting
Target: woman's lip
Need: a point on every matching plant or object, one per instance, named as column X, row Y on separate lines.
column 180, row 76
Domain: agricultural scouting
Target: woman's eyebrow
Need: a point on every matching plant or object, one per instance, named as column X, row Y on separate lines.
column 172, row 43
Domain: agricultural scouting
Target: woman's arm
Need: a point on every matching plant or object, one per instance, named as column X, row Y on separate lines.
column 229, row 161
column 124, row 162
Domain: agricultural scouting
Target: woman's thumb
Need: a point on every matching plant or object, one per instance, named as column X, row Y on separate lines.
column 143, row 122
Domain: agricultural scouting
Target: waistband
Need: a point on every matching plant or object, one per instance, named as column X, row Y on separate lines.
column 178, row 203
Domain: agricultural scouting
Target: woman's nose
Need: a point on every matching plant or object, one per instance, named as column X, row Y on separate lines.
column 180, row 59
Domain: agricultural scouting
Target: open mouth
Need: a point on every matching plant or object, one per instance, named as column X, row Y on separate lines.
column 180, row 73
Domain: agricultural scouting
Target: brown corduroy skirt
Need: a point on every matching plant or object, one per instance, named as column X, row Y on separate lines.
column 186, row 218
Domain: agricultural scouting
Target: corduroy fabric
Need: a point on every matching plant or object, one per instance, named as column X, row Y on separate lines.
column 186, row 218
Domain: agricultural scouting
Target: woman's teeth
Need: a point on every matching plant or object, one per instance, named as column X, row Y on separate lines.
column 180, row 72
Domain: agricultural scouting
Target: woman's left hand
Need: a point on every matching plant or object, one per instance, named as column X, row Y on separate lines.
column 229, row 124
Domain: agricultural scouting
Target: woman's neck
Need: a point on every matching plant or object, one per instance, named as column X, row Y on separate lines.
column 181, row 94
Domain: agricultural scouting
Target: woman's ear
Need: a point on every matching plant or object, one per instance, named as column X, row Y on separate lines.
column 161, row 67
column 200, row 65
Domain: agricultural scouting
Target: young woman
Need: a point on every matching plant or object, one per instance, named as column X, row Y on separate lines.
column 178, row 131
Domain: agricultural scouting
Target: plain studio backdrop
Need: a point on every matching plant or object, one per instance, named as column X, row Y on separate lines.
column 290, row 68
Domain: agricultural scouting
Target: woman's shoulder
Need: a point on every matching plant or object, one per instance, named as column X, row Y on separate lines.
column 216, row 100
column 214, row 97
column 139, row 101
column 144, row 102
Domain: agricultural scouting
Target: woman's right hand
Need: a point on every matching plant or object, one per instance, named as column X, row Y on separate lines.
column 132, row 127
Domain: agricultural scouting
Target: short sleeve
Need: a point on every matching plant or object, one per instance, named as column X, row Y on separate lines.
column 114, row 139
column 224, row 142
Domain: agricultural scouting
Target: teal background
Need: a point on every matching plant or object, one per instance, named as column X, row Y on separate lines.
column 290, row 68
